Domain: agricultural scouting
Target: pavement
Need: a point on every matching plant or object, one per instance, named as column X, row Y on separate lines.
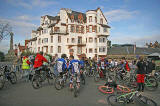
column 23, row 94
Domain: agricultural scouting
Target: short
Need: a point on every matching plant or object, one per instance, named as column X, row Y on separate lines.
column 140, row 78
column 77, row 78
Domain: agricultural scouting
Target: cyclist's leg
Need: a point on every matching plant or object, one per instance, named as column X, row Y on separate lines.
column 71, row 82
column 78, row 79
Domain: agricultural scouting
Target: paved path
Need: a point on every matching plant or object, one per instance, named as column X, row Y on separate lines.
column 22, row 94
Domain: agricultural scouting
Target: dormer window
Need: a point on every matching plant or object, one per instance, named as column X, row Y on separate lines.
column 101, row 21
column 46, row 23
column 72, row 18
column 90, row 18
column 95, row 19
column 80, row 18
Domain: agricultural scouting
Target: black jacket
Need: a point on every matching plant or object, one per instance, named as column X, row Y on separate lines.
column 141, row 67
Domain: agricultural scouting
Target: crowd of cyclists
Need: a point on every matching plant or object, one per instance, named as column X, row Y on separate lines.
column 103, row 67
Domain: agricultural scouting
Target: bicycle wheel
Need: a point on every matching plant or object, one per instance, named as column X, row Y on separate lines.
column 36, row 82
column 114, row 101
column 105, row 89
column 13, row 77
column 150, row 102
column 96, row 77
column 83, row 79
column 75, row 91
column 51, row 78
column 151, row 83
column 58, row 83
column 123, row 89
column 2, row 81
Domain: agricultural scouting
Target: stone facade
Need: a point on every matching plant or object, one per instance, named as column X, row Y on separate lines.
column 72, row 33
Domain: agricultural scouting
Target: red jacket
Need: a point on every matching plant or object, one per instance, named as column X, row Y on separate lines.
column 127, row 66
column 39, row 61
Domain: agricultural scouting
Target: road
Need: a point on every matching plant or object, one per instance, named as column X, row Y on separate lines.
column 22, row 94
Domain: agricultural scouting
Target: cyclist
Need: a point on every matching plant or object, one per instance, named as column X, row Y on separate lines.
column 61, row 65
column 38, row 63
column 141, row 65
column 25, row 67
column 102, row 66
column 75, row 69
column 90, row 65
column 82, row 66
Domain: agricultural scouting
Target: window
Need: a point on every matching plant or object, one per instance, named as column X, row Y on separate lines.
column 42, row 49
column 99, row 29
column 46, row 23
column 102, row 40
column 90, row 40
column 101, row 21
column 46, row 49
column 45, row 31
column 31, row 43
column 72, row 18
column 82, row 29
column 90, row 28
column 79, row 51
column 79, row 40
column 102, row 49
column 95, row 28
column 86, row 40
column 90, row 18
column 67, row 40
column 59, row 39
column 56, row 29
column 51, row 39
column 86, row 50
column 104, row 29
column 95, row 40
column 51, row 50
column 45, row 40
column 95, row 50
column 59, row 49
column 73, row 40
column 38, row 49
column 39, row 41
column 90, row 50
column 95, row 19
column 77, row 28
column 72, row 28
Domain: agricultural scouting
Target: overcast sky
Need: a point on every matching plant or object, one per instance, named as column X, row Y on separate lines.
column 131, row 21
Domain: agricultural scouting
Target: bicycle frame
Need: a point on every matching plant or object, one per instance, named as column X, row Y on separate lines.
column 125, row 95
column 147, row 83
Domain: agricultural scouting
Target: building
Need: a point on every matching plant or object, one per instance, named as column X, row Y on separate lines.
column 130, row 51
column 73, row 33
column 19, row 49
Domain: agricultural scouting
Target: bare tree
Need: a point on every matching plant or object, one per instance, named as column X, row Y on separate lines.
column 5, row 30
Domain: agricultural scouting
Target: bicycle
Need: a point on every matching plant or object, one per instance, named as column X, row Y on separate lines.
column 151, row 82
column 61, row 81
column 122, row 100
column 100, row 74
column 7, row 75
column 40, row 76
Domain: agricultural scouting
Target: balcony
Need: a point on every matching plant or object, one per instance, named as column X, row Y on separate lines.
column 58, row 32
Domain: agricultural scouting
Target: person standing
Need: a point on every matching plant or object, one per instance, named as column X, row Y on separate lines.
column 141, row 71
column 25, row 67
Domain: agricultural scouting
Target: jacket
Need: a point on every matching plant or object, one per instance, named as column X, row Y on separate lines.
column 39, row 61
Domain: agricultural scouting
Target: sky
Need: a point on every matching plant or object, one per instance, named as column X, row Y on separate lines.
column 132, row 21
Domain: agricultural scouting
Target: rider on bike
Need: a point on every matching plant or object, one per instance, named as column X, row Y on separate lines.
column 102, row 66
column 74, row 66
column 61, row 65
column 38, row 63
